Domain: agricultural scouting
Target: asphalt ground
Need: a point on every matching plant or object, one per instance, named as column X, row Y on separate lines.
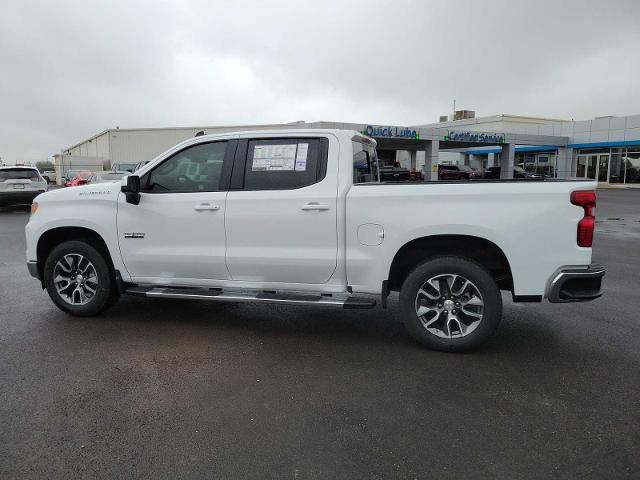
column 175, row 389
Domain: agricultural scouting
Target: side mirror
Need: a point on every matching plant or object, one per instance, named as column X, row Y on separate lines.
column 131, row 188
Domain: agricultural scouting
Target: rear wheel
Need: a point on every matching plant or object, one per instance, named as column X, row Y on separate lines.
column 78, row 279
column 451, row 304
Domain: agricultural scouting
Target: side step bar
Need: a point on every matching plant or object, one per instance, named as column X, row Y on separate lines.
column 343, row 300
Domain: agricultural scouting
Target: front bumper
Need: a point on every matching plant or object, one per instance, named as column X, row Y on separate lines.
column 18, row 197
column 576, row 284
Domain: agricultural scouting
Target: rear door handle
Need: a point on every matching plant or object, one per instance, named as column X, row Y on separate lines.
column 206, row 206
column 315, row 206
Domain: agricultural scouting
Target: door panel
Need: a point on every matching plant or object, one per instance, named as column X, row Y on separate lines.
column 174, row 235
column 282, row 234
column 177, row 232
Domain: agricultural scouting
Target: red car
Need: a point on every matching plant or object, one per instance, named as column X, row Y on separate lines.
column 80, row 179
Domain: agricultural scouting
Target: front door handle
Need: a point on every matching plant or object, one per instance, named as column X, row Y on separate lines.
column 206, row 206
column 314, row 206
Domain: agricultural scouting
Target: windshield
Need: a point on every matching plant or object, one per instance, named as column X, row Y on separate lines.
column 466, row 168
column 19, row 174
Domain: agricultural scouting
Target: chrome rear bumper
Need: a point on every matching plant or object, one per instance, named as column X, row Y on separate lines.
column 576, row 284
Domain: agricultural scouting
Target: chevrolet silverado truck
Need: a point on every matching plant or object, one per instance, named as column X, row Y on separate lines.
column 301, row 217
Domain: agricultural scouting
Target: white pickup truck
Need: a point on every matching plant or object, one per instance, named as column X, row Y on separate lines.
column 301, row 217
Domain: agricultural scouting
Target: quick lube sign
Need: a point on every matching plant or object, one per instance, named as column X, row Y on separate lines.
column 478, row 137
column 389, row 132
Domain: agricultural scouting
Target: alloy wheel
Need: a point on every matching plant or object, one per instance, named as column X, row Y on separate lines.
column 75, row 279
column 449, row 306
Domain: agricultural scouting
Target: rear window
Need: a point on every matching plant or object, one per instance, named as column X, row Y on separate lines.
column 20, row 174
column 365, row 163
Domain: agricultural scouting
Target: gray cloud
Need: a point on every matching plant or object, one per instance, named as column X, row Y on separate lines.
column 71, row 69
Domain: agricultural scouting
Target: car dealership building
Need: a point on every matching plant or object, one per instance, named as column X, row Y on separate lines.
column 605, row 148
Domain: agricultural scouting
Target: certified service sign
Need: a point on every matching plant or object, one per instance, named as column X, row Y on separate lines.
column 478, row 137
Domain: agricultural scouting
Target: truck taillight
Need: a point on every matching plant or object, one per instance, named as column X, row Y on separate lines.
column 587, row 200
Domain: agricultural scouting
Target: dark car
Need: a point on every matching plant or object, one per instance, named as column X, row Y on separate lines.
column 518, row 172
column 457, row 172
column 394, row 174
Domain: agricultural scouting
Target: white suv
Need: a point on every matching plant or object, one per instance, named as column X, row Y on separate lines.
column 20, row 185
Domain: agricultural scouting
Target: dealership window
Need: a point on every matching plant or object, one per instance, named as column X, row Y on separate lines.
column 631, row 161
column 543, row 163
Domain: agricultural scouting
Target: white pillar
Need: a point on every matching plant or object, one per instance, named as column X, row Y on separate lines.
column 491, row 160
column 432, row 147
column 564, row 165
column 507, row 158
column 412, row 159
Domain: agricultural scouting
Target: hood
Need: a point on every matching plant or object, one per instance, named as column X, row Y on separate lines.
column 82, row 193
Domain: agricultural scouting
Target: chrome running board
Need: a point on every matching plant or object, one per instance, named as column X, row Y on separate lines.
column 343, row 300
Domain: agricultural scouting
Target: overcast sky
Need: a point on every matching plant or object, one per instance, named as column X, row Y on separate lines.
column 69, row 69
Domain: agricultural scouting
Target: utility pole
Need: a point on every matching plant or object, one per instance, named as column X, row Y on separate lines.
column 454, row 110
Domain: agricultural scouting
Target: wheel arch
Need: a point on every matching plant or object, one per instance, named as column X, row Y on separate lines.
column 478, row 249
column 50, row 239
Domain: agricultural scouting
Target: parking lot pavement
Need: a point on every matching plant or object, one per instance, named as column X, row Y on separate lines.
column 162, row 389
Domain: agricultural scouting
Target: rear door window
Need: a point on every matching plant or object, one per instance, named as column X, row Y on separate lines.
column 284, row 163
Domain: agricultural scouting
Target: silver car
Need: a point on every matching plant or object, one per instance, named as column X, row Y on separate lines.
column 20, row 185
column 105, row 177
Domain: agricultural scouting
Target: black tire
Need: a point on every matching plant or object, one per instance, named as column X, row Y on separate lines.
column 104, row 292
column 482, row 282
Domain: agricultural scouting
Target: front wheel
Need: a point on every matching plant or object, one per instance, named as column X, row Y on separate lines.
column 451, row 304
column 78, row 279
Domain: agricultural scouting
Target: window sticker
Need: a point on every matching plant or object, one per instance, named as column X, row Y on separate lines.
column 269, row 158
column 301, row 157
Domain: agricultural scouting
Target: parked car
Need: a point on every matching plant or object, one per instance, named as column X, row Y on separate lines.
column 20, row 185
column 518, row 172
column 300, row 217
column 49, row 175
column 80, row 178
column 457, row 172
column 125, row 167
column 106, row 177
column 469, row 173
column 394, row 174
column 139, row 165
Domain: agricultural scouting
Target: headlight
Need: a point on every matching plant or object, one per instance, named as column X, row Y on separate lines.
column 34, row 208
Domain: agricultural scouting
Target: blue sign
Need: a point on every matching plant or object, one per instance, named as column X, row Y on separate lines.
column 390, row 132
column 476, row 137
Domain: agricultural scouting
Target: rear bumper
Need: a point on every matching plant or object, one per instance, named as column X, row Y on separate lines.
column 18, row 197
column 576, row 284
